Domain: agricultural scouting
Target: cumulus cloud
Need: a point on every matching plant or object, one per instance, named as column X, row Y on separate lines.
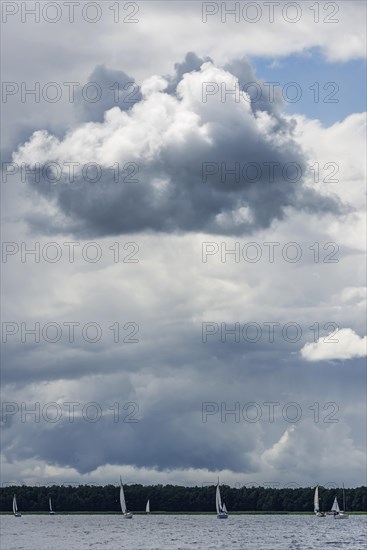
column 172, row 152
column 345, row 344
column 354, row 295
column 298, row 445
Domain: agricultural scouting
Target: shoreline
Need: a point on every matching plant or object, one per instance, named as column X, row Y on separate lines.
column 94, row 513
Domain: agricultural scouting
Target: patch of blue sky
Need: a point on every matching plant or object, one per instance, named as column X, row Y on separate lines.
column 328, row 91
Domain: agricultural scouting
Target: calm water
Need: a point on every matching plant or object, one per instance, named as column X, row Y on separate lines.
column 181, row 533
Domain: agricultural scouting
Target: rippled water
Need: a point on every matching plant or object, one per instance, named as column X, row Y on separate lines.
column 159, row 532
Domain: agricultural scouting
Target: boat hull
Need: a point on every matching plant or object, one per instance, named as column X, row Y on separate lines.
column 341, row 516
column 222, row 515
column 128, row 516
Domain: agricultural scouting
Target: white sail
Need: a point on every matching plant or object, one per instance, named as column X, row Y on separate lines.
column 52, row 513
column 316, row 500
column 218, row 502
column 147, row 508
column 122, row 500
column 16, row 512
column 127, row 515
column 220, row 506
column 335, row 506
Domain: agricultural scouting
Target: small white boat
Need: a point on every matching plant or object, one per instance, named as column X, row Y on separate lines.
column 316, row 504
column 52, row 513
column 124, row 510
column 16, row 512
column 147, row 508
column 222, row 512
column 337, row 513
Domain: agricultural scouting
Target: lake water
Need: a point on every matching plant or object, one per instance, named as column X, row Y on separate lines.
column 159, row 532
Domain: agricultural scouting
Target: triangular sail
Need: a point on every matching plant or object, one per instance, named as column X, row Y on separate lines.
column 50, row 504
column 335, row 506
column 218, row 502
column 316, row 505
column 122, row 499
column 224, row 508
column 147, row 508
column 15, row 507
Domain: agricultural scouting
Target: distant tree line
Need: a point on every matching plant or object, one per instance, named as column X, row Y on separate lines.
column 175, row 498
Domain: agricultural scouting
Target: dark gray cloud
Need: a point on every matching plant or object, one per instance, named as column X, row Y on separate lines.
column 107, row 88
column 170, row 433
column 191, row 63
column 169, row 374
column 262, row 99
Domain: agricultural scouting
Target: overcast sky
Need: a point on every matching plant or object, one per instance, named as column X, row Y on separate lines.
column 192, row 185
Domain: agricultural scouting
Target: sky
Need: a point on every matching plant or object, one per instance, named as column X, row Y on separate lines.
column 183, row 244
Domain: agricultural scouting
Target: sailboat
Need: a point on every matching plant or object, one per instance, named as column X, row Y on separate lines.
column 127, row 515
column 221, row 508
column 52, row 513
column 337, row 513
column 16, row 512
column 316, row 504
column 147, row 508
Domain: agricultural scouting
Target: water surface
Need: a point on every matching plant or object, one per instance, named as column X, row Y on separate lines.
column 159, row 532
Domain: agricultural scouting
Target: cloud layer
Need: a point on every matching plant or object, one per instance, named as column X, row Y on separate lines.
column 167, row 131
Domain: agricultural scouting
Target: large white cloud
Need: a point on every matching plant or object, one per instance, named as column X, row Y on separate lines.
column 183, row 145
